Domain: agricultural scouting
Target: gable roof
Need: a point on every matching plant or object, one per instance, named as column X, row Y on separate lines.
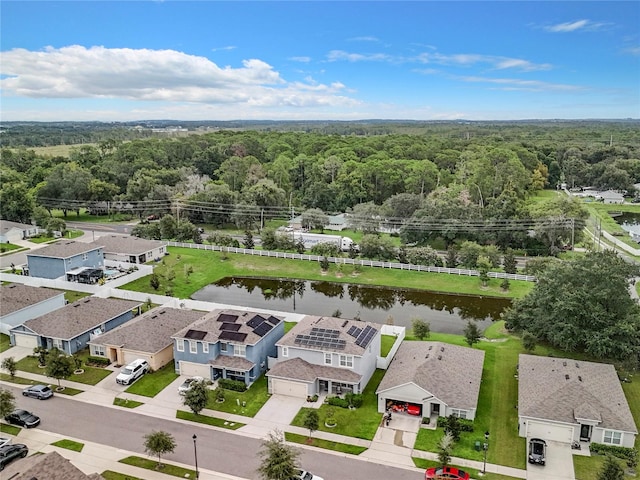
column 79, row 317
column 151, row 331
column 16, row 296
column 449, row 372
column 49, row 466
column 340, row 326
column 64, row 249
column 560, row 389
column 6, row 226
column 127, row 244
column 233, row 326
column 299, row 369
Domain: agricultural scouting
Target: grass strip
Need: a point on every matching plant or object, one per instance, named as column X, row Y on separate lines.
column 69, row 445
column 207, row 420
column 165, row 468
column 111, row 475
column 69, row 391
column 125, row 402
column 10, row 429
column 326, row 444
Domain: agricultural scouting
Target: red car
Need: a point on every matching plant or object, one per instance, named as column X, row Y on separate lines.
column 446, row 473
column 413, row 410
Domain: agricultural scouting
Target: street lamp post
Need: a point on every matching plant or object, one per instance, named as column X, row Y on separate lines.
column 195, row 453
column 485, row 447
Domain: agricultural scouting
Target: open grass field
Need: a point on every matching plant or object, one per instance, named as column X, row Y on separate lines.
column 59, row 150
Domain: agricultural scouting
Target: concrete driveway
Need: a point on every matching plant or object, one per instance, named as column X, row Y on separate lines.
column 559, row 463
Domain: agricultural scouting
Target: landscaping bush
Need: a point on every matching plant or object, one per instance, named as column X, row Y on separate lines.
column 466, row 425
column 630, row 455
column 235, row 385
column 338, row 402
column 98, row 361
column 354, row 399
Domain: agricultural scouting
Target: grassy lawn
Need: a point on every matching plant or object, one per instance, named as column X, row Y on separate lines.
column 150, row 384
column 587, row 468
column 69, row 445
column 86, row 217
column 386, row 342
column 243, row 403
column 326, row 444
column 9, row 247
column 424, row 463
column 152, row 464
column 601, row 211
column 632, row 392
column 69, row 391
column 123, row 402
column 111, row 475
column 91, row 375
column 208, row 420
column 209, row 267
column 4, row 342
column 71, row 296
column 10, row 429
column 362, row 422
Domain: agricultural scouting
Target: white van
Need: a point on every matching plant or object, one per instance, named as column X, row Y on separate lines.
column 132, row 372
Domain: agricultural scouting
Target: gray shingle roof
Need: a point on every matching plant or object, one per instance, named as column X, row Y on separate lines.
column 5, row 226
column 449, row 372
column 560, row 389
column 126, row 244
column 299, row 369
column 49, row 466
column 78, row 317
column 304, row 326
column 233, row 363
column 64, row 249
column 150, row 332
column 15, row 296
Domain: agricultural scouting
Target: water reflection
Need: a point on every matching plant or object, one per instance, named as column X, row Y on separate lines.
column 446, row 313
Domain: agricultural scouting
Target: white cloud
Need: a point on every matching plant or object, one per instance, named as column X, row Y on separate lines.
column 519, row 84
column 337, row 55
column 583, row 24
column 153, row 75
column 300, row 59
column 364, row 39
column 227, row 48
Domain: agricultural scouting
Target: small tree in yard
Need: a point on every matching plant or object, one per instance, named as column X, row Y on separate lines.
column 453, row 427
column 444, row 449
column 611, row 470
column 159, row 443
column 7, row 402
column 248, row 240
column 509, row 262
column 505, row 285
column 471, row 333
column 60, row 366
column 311, row 421
column 279, row 460
column 154, row 281
column 529, row 341
column 9, row 364
column 42, row 353
column 483, row 265
column 421, row 329
column 324, row 264
column 196, row 397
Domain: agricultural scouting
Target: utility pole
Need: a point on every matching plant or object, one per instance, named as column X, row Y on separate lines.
column 573, row 232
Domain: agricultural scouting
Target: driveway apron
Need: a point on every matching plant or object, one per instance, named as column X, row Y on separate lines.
column 559, row 464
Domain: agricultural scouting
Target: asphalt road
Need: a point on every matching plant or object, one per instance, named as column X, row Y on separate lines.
column 230, row 453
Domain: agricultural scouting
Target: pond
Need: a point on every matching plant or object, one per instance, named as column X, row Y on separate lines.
column 630, row 222
column 447, row 313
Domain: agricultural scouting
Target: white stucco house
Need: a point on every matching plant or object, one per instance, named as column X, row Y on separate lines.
column 129, row 249
column 19, row 303
column 11, row 232
column 566, row 400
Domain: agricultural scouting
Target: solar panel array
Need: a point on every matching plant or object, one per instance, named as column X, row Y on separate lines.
column 255, row 321
column 195, row 334
column 262, row 329
column 322, row 338
column 233, row 336
column 227, row 317
column 354, row 331
column 273, row 320
column 230, row 327
column 365, row 337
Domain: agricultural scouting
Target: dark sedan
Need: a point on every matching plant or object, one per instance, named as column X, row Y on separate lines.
column 23, row 418
column 41, row 392
column 8, row 453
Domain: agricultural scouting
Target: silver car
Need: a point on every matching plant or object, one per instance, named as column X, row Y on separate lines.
column 41, row 392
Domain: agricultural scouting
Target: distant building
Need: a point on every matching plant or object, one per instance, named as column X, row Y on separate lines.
column 22, row 302
column 11, row 232
column 129, row 249
column 610, row 197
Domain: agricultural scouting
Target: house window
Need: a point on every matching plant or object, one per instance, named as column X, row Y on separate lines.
column 85, row 256
column 205, row 347
column 193, row 346
column 223, row 347
column 57, row 343
column 180, row 345
column 613, row 438
column 327, row 359
column 459, row 413
column 285, row 351
column 98, row 350
column 240, row 350
column 346, row 361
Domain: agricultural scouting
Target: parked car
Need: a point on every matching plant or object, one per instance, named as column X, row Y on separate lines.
column 23, row 418
column 186, row 385
column 304, row 475
column 537, row 451
column 41, row 392
column 132, row 372
column 413, row 410
column 445, row 472
column 8, row 453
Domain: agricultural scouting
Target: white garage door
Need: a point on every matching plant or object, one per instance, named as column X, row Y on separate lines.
column 131, row 356
column 29, row 341
column 549, row 431
column 195, row 369
column 292, row 389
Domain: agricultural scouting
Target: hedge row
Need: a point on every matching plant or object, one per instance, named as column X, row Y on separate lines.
column 235, row 385
column 624, row 453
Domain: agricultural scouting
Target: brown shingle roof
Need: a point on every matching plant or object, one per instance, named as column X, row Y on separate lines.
column 150, row 332
column 299, row 369
column 49, row 466
column 15, row 296
column 450, row 372
column 64, row 249
column 560, row 389
column 304, row 326
column 127, row 244
column 233, row 363
column 78, row 317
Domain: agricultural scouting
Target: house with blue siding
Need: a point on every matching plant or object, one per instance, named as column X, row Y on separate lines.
column 23, row 302
column 325, row 354
column 66, row 256
column 71, row 327
column 230, row 344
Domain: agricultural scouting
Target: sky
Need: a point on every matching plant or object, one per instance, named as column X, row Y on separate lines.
column 319, row 60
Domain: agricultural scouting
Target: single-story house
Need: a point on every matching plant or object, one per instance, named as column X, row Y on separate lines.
column 566, row 400
column 610, row 196
column 337, row 222
column 147, row 337
column 435, row 379
column 51, row 466
column 20, row 303
column 325, row 354
column 230, row 344
column 129, row 249
column 71, row 327
column 57, row 259
column 11, row 232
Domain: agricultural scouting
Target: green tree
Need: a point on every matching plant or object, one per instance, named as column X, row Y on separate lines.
column 248, row 240
column 324, row 264
column 278, row 459
column 7, row 402
column 483, row 265
column 159, row 443
column 445, row 445
column 471, row 333
column 529, row 341
column 452, row 257
column 154, row 281
column 311, row 421
column 314, row 218
column 42, row 354
column 611, row 469
column 505, row 285
column 421, row 328
column 197, row 396
column 469, row 254
column 9, row 364
column 16, row 202
column 509, row 262
column 168, row 226
column 56, row 225
column 453, row 427
column 59, row 366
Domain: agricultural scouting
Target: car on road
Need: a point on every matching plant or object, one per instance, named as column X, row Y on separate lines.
column 444, row 472
column 132, row 372
column 186, row 385
column 304, row 475
column 41, row 392
column 8, row 453
column 23, row 418
column 537, row 451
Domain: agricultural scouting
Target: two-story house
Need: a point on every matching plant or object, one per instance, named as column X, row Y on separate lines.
column 23, row 302
column 231, row 344
column 325, row 354
column 67, row 259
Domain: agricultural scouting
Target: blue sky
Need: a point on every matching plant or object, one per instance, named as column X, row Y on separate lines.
column 328, row 60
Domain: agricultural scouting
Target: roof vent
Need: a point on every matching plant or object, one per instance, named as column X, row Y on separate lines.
column 345, row 323
column 163, row 312
column 426, row 356
column 577, row 365
column 430, row 347
column 564, row 364
column 566, row 377
column 442, row 349
column 87, row 300
column 439, row 357
column 579, row 378
column 12, row 286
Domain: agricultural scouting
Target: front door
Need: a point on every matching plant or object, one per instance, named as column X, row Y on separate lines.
column 435, row 409
column 585, row 433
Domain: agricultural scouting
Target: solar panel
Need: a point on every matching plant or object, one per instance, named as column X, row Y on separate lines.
column 263, row 328
column 255, row 321
column 273, row 320
column 365, row 337
column 195, row 334
column 233, row 336
column 354, row 331
column 226, row 317
column 230, row 327
column 315, row 341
